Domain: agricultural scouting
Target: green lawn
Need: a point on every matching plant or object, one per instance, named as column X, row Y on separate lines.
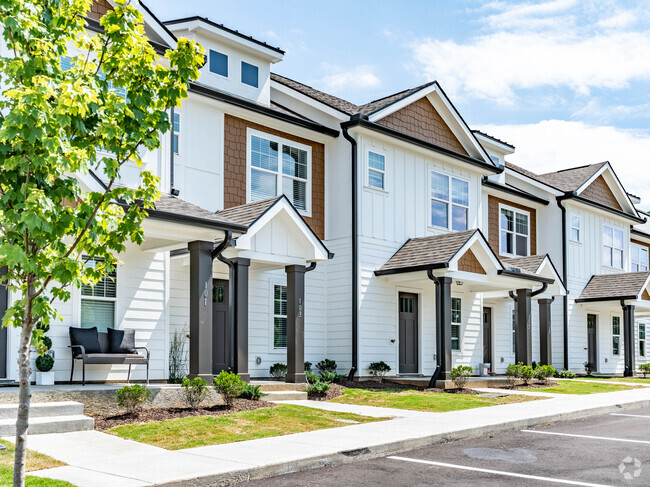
column 195, row 431
column 35, row 461
column 637, row 380
column 424, row 401
column 578, row 387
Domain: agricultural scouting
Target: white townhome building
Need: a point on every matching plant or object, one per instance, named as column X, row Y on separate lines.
column 295, row 226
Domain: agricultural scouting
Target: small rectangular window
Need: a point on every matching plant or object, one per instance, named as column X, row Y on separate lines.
column 376, row 170
column 249, row 74
column 612, row 247
column 575, row 228
column 98, row 301
column 642, row 339
column 514, row 332
column 616, row 335
column 218, row 63
column 176, row 132
column 456, row 321
column 279, row 316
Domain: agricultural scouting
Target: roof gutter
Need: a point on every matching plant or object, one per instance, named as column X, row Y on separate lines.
column 573, row 196
column 355, row 255
column 565, row 301
column 529, row 277
column 513, row 191
column 360, row 120
column 607, row 298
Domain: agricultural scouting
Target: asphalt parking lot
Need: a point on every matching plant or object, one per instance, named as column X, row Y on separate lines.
column 607, row 450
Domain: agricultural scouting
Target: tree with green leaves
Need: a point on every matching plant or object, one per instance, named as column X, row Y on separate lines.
column 71, row 102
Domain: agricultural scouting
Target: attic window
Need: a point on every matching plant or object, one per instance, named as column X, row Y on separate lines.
column 218, row 63
column 249, row 74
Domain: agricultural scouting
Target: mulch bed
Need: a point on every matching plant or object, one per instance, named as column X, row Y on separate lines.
column 336, row 390
column 531, row 385
column 104, row 422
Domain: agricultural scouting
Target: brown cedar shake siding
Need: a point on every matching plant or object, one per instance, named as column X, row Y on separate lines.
column 599, row 192
column 493, row 223
column 98, row 9
column 421, row 120
column 235, row 151
column 469, row 263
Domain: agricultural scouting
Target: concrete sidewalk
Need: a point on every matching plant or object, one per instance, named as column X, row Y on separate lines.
column 97, row 459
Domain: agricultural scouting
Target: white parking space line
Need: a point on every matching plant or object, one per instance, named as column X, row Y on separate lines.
column 606, row 438
column 499, row 472
column 631, row 415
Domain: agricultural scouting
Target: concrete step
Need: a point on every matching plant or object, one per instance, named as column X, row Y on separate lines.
column 268, row 386
column 51, row 424
column 43, row 409
column 285, row 396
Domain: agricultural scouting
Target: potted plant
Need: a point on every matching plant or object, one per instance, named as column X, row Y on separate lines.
column 45, row 363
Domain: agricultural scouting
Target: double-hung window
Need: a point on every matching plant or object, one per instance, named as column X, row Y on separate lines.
column 612, row 247
column 176, row 132
column 639, row 258
column 98, row 302
column 376, row 170
column 449, row 202
column 456, row 316
column 616, row 335
column 576, row 228
column 514, row 231
column 279, row 167
column 642, row 339
column 279, row 316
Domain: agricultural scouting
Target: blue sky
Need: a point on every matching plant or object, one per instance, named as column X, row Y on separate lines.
column 565, row 81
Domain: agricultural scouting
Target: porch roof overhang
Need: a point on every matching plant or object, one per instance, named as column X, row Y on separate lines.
column 622, row 287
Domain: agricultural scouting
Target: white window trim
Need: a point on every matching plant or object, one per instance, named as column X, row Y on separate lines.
column 449, row 203
column 579, row 228
column 514, row 232
column 241, row 74
column 611, row 330
column 641, row 248
column 644, row 340
column 272, row 348
column 513, row 332
column 115, row 300
column 367, row 184
column 460, row 325
column 249, row 135
column 602, row 241
column 217, row 75
column 180, row 126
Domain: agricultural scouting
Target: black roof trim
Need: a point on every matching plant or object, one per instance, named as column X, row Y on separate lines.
column 416, row 268
column 641, row 233
column 608, row 298
column 162, row 24
column 488, row 136
column 362, row 121
column 404, row 96
column 525, row 275
column 224, row 28
column 514, row 191
column 195, row 221
column 218, row 95
column 95, row 26
column 573, row 196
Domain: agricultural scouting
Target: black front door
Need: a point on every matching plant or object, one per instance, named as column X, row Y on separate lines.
column 220, row 326
column 408, row 333
column 4, row 303
column 591, row 339
column 487, row 335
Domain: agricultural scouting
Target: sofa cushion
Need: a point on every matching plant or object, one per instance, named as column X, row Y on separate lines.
column 121, row 341
column 86, row 337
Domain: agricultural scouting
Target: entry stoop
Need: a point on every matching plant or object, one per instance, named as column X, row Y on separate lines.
column 47, row 417
column 281, row 391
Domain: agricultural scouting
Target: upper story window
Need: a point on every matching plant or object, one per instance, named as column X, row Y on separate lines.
column 98, row 301
column 449, row 202
column 279, row 167
column 612, row 247
column 376, row 170
column 249, row 74
column 514, row 232
column 639, row 258
column 456, row 316
column 176, row 132
column 576, row 228
column 218, row 63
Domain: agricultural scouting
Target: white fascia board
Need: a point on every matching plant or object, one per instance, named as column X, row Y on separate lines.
column 546, row 267
column 533, row 182
column 154, row 24
column 476, row 238
column 307, row 100
column 505, row 149
column 601, row 211
column 398, row 105
column 608, row 168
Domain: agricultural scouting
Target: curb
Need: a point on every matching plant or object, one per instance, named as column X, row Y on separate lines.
column 376, row 451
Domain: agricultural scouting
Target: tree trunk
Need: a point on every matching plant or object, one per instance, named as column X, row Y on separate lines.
column 24, row 397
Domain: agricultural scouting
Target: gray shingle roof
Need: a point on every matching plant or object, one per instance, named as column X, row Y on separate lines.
column 528, row 264
column 247, row 214
column 608, row 287
column 565, row 180
column 427, row 251
column 376, row 105
column 177, row 206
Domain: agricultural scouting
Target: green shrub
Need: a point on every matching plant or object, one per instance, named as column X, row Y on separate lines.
column 379, row 369
column 311, row 377
column 43, row 326
column 460, row 375
column 328, row 377
column 644, row 369
column 544, row 372
column 47, row 342
column 194, row 391
column 565, row 374
column 251, row 392
column 307, row 366
column 527, row 373
column 44, row 363
column 278, row 371
column 229, row 385
column 318, row 388
column 132, row 398
column 513, row 373
column 326, row 365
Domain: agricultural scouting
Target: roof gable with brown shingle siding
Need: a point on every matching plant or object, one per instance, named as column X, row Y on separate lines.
column 600, row 192
column 98, row 9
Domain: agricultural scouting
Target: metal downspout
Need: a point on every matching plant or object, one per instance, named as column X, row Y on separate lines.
column 217, row 254
column 565, row 316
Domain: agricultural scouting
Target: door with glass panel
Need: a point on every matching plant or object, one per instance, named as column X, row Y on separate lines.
column 220, row 326
column 408, row 333
column 591, row 340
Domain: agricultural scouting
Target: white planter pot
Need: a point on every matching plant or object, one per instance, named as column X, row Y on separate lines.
column 45, row 378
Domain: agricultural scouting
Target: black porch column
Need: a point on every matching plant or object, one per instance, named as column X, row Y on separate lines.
column 295, row 323
column 240, row 301
column 523, row 335
column 628, row 340
column 443, row 326
column 545, row 343
column 201, row 309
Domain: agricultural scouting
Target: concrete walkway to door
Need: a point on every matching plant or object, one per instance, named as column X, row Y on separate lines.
column 97, row 459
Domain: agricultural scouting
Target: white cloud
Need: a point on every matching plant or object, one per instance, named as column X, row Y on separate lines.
column 551, row 145
column 361, row 76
